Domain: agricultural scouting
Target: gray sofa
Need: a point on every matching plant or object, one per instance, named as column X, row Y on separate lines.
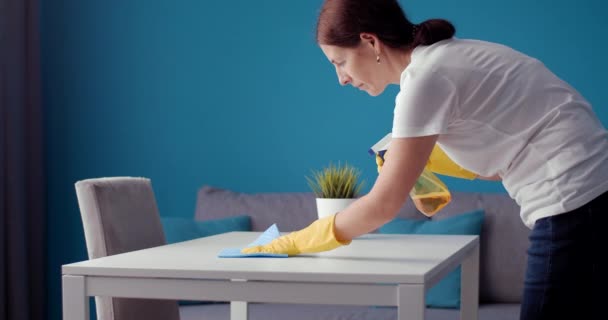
column 504, row 240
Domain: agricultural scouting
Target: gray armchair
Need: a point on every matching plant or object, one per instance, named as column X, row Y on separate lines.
column 120, row 214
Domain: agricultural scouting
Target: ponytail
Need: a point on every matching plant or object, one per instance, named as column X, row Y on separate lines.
column 431, row 31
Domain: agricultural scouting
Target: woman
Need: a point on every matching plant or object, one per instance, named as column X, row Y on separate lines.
column 495, row 112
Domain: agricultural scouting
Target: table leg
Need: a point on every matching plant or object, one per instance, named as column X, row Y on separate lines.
column 411, row 304
column 75, row 299
column 238, row 310
column 469, row 285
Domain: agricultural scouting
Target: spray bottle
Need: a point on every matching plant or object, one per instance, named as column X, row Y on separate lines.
column 429, row 194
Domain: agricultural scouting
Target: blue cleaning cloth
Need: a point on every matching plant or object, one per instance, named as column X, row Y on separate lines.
column 270, row 234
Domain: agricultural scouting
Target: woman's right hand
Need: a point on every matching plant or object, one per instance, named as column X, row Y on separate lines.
column 379, row 161
column 440, row 163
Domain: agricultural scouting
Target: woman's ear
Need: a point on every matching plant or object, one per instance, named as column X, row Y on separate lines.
column 370, row 39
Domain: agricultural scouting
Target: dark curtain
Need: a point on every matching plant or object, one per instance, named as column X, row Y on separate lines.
column 22, row 192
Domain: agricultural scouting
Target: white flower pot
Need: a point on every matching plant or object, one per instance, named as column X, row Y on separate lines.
column 328, row 206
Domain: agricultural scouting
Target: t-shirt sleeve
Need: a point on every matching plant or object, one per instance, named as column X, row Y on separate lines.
column 425, row 105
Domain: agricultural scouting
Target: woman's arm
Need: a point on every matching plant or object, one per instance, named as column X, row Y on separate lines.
column 408, row 157
column 380, row 205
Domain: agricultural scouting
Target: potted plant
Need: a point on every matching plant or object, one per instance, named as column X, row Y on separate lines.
column 335, row 188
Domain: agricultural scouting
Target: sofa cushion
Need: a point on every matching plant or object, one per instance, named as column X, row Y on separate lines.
column 182, row 229
column 289, row 210
column 504, row 237
column 446, row 293
column 503, row 242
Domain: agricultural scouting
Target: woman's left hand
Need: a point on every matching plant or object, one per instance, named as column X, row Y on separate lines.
column 317, row 237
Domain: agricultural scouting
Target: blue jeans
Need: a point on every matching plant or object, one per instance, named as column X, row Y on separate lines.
column 566, row 277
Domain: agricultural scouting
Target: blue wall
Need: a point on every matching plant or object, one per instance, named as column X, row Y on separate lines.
column 236, row 94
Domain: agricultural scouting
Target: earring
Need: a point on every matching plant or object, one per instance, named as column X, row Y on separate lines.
column 378, row 59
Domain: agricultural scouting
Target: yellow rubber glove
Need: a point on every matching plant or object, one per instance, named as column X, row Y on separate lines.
column 379, row 161
column 317, row 237
column 440, row 163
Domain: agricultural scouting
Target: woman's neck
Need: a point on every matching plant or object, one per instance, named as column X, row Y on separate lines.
column 398, row 60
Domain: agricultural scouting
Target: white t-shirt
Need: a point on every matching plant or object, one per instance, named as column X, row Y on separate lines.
column 498, row 111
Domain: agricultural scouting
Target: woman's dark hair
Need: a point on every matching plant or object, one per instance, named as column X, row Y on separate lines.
column 342, row 21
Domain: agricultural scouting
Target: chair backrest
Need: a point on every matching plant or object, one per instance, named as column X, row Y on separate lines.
column 119, row 214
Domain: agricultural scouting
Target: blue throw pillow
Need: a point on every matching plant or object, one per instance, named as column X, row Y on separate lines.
column 446, row 293
column 182, row 229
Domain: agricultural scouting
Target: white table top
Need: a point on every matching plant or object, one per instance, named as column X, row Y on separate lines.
column 372, row 258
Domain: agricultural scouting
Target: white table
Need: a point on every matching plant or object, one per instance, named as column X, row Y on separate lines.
column 378, row 270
